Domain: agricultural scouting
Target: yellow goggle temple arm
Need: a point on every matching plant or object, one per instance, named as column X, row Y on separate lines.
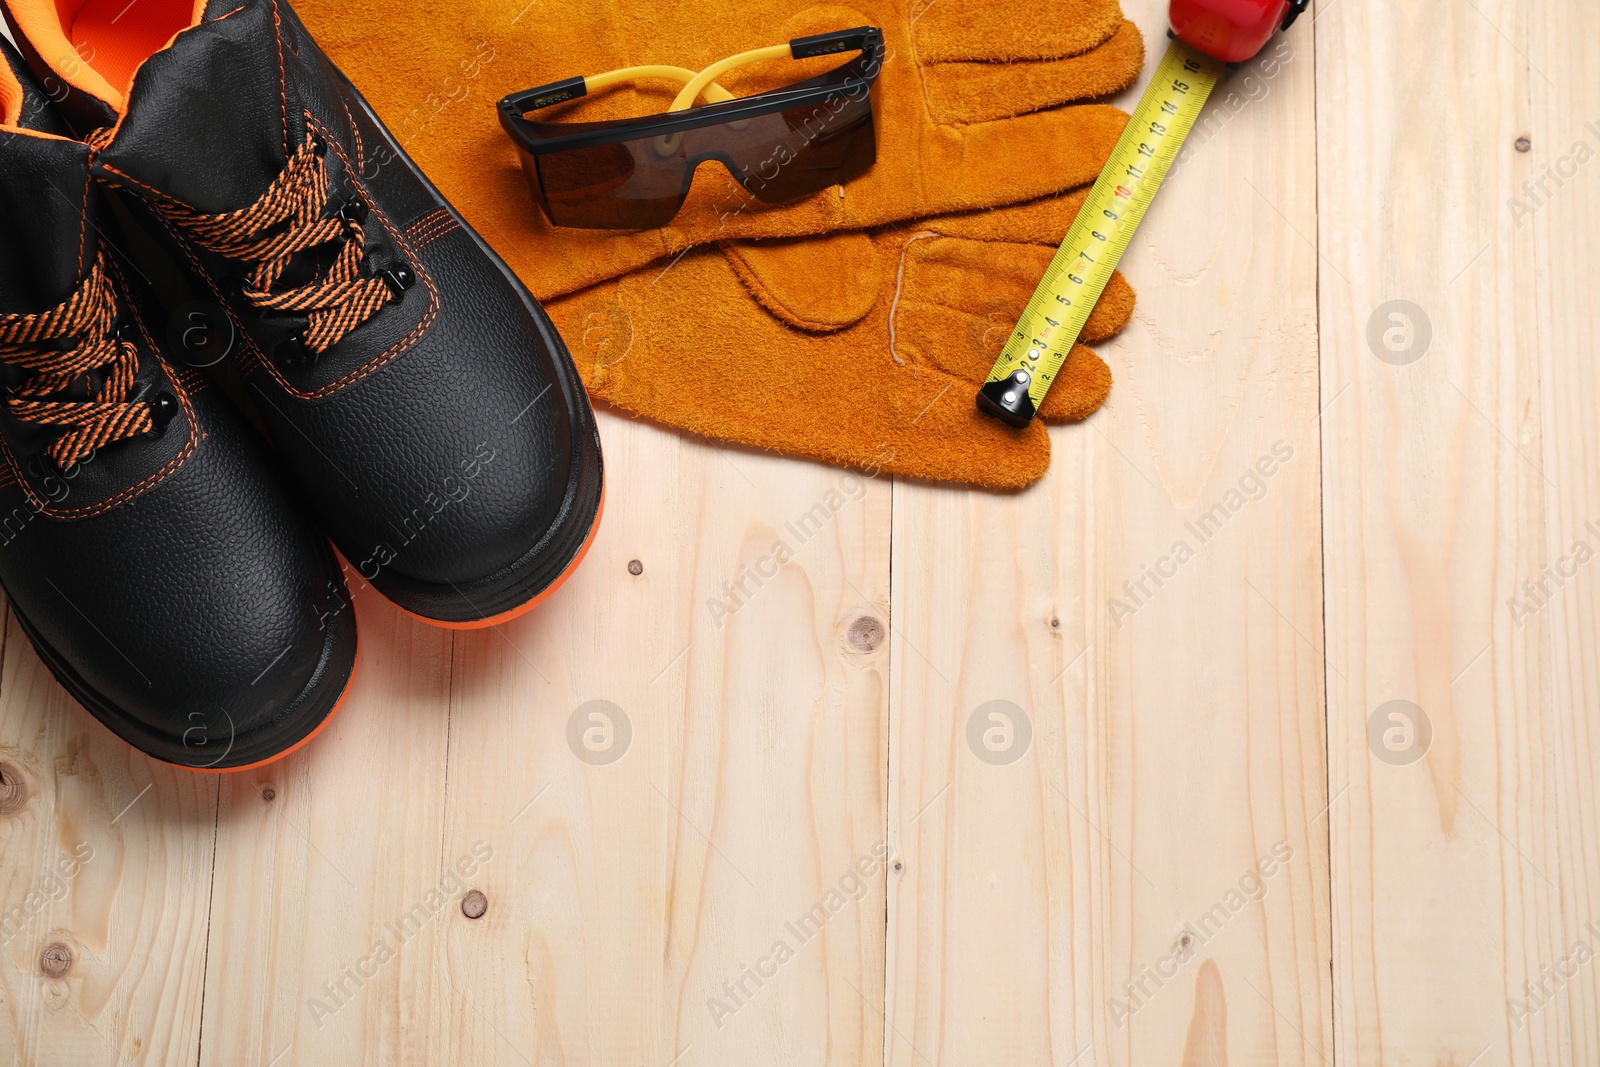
column 713, row 92
column 709, row 76
column 667, row 144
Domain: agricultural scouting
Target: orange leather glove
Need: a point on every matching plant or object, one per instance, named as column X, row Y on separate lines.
column 862, row 349
column 959, row 100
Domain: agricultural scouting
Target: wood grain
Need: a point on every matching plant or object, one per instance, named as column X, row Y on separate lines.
column 108, row 861
column 327, row 907
column 1087, row 774
column 1053, row 909
column 631, row 894
column 1560, row 1022
column 1438, row 503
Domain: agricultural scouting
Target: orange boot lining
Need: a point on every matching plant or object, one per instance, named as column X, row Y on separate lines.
column 115, row 36
column 96, row 45
column 10, row 97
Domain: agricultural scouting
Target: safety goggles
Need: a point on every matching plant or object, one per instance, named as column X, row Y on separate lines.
column 635, row 173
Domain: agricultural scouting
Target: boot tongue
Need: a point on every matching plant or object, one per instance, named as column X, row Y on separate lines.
column 44, row 197
column 206, row 117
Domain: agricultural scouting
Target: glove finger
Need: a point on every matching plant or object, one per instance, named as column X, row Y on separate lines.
column 817, row 284
column 1111, row 312
column 1044, row 221
column 1079, row 389
column 961, row 299
column 965, row 346
column 1042, row 224
column 693, row 351
column 826, row 283
column 949, row 30
column 991, row 282
column 963, row 92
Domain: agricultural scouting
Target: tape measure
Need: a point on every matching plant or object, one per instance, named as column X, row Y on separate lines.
column 1206, row 35
column 1038, row 348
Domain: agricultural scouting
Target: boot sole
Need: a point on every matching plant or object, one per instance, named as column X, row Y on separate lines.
column 539, row 598
column 308, row 716
column 523, row 584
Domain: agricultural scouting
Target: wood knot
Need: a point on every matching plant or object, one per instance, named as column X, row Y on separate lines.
column 635, row 568
column 1523, row 144
column 13, row 790
column 56, row 960
column 269, row 794
column 474, row 904
column 865, row 634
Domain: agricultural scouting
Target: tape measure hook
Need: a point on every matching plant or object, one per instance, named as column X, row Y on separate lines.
column 1008, row 399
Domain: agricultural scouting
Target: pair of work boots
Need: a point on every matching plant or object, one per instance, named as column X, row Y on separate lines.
column 171, row 567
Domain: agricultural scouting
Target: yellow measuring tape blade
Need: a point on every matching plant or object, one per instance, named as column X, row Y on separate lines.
column 1082, row 267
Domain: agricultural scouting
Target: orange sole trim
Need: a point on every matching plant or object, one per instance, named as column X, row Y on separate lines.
column 543, row 595
column 355, row 665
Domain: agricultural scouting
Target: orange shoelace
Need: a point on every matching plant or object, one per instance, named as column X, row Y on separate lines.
column 335, row 303
column 34, row 343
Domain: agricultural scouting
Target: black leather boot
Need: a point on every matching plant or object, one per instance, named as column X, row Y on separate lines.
column 415, row 388
column 147, row 546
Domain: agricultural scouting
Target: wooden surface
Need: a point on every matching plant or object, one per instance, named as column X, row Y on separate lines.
column 1122, row 770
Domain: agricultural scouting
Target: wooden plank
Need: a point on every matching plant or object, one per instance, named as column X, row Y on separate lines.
column 1176, row 730
column 330, row 890
column 652, row 852
column 107, row 862
column 1098, row 898
column 1449, row 845
column 1558, row 1019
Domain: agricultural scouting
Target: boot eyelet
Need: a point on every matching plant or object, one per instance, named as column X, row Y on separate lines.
column 399, row 280
column 318, row 145
column 127, row 332
column 352, row 212
column 42, row 466
column 162, row 409
column 292, row 352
